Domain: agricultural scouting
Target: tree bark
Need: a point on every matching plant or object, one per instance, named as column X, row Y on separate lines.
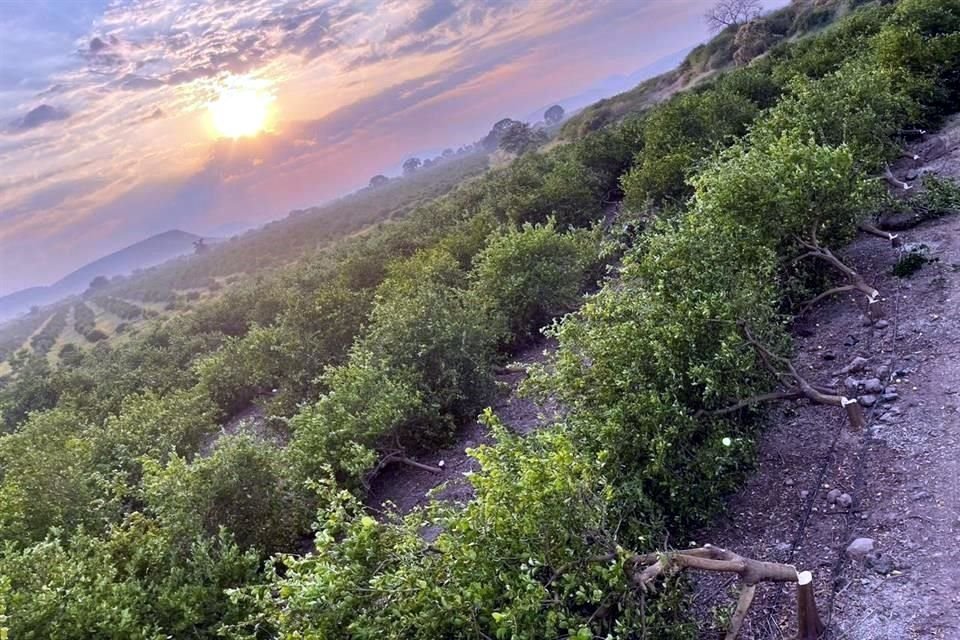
column 645, row 569
column 809, row 626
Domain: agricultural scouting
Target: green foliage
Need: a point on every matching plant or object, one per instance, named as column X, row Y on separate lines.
column 244, row 486
column 49, row 479
column 134, row 583
column 33, row 390
column 120, row 308
column 515, row 563
column 922, row 37
column 938, row 198
column 383, row 344
column 912, row 261
column 84, row 320
column 676, row 137
column 43, row 340
column 527, row 276
column 367, row 404
column 860, row 105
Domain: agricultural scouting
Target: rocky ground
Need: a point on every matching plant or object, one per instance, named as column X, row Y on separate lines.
column 875, row 513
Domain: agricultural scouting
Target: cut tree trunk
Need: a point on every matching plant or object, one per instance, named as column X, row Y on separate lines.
column 647, row 568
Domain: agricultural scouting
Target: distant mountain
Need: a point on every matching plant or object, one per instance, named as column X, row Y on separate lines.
column 612, row 85
column 143, row 254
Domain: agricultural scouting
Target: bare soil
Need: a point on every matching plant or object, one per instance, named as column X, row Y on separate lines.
column 902, row 472
column 401, row 488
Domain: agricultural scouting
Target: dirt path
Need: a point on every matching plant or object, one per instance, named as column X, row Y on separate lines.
column 405, row 487
column 901, row 475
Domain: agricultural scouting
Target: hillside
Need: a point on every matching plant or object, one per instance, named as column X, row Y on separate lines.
column 734, row 46
column 140, row 255
column 682, row 288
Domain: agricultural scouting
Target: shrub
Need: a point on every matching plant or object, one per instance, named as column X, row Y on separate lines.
column 527, row 276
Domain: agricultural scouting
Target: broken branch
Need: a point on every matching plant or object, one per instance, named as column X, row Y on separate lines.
column 892, row 179
column 868, row 228
column 751, row 573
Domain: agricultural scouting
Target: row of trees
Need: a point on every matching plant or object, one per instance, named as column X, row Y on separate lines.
column 120, row 492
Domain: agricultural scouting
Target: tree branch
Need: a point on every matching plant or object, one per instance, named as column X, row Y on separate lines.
column 647, row 568
column 892, row 179
column 894, row 239
column 743, row 604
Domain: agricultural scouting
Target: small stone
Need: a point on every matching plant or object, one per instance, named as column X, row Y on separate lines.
column 442, row 464
column 828, row 355
column 857, row 364
column 867, row 400
column 873, row 386
column 890, row 397
column 852, row 384
column 882, row 564
column 883, row 372
column 859, row 548
column 833, row 496
column 804, row 494
column 881, row 324
column 784, row 547
column 788, row 482
column 845, row 501
column 865, row 321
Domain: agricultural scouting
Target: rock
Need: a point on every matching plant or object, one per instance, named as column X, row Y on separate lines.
column 865, row 321
column 788, row 482
column 867, row 400
column 833, row 496
column 851, row 384
column 804, row 494
column 890, row 397
column 784, row 547
column 888, row 417
column 881, row 324
column 845, row 501
column 850, row 341
column 859, row 548
column 857, row 364
column 873, row 385
column 881, row 563
column 883, row 371
column 828, row 355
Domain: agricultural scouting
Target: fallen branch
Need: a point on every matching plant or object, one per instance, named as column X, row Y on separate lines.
column 796, row 387
column 892, row 179
column 398, row 457
column 647, row 568
column 856, row 281
column 895, row 240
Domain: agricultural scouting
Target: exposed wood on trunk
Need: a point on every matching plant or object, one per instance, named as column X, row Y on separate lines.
column 855, row 280
column 796, row 386
column 895, row 240
column 809, row 626
column 646, row 569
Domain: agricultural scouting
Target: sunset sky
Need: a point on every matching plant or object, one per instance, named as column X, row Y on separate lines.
column 105, row 128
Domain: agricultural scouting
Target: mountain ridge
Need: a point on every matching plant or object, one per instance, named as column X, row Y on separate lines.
column 142, row 254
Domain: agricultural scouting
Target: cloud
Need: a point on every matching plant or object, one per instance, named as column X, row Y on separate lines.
column 39, row 116
column 359, row 84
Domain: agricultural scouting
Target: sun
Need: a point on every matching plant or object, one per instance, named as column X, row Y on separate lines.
column 240, row 113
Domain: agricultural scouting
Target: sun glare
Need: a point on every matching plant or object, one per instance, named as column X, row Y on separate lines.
column 240, row 113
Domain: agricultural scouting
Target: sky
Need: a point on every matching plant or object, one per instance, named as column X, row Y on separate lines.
column 106, row 133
